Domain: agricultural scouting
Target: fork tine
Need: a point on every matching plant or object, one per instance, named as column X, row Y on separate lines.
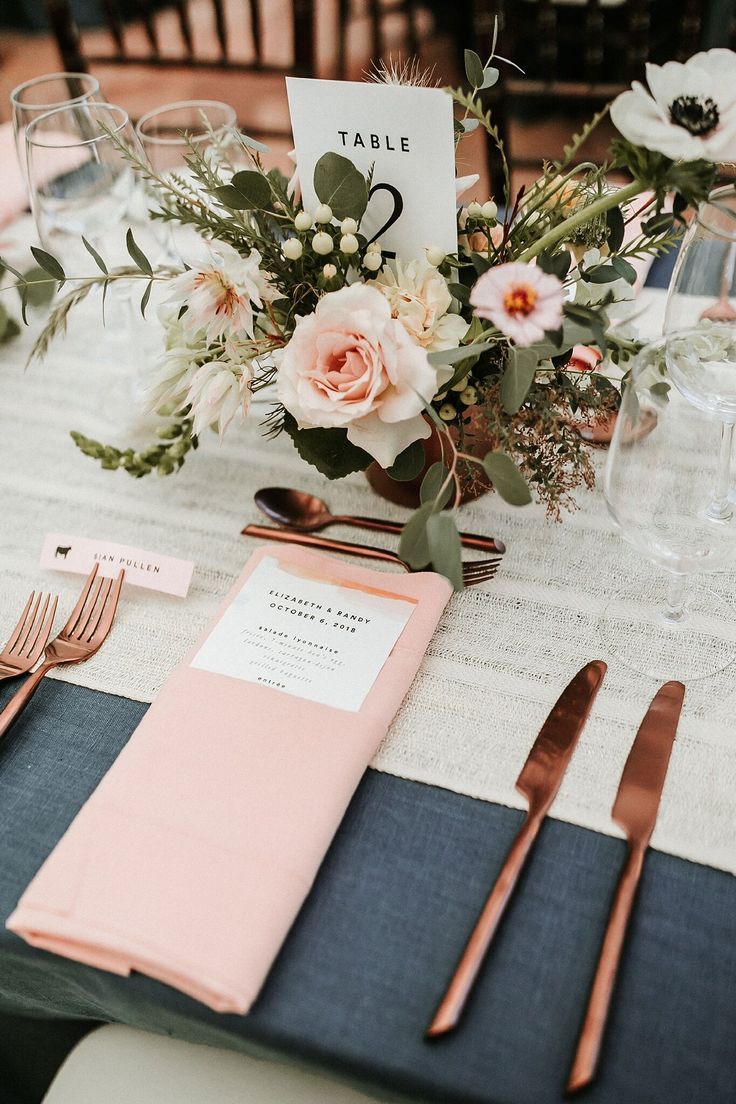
column 28, row 627
column 74, row 616
column 44, row 632
column 89, row 611
column 21, row 622
column 105, row 621
column 32, row 634
column 481, row 565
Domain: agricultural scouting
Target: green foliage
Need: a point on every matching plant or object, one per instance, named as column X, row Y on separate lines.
column 165, row 457
column 436, row 487
column 247, row 191
column 445, row 550
column 517, row 378
column 408, row 463
column 327, row 450
column 506, row 478
column 338, row 183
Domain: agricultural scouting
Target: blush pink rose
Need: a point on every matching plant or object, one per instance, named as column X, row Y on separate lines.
column 351, row 365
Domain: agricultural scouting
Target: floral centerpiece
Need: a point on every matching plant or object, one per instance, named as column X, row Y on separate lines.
column 482, row 366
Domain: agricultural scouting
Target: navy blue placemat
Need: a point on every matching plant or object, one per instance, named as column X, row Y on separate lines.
column 366, row 961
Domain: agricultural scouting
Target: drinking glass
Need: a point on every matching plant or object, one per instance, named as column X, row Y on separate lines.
column 167, row 135
column 80, row 182
column 700, row 312
column 36, row 97
column 662, row 465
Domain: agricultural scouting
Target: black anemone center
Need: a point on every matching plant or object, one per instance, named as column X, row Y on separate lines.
column 697, row 114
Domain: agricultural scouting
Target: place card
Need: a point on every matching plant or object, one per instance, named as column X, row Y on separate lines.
column 404, row 134
column 310, row 636
column 61, row 552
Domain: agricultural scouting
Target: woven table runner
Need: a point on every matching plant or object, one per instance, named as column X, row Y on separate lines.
column 502, row 653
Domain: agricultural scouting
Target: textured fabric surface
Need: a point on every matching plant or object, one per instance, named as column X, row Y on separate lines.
column 503, row 651
column 366, row 961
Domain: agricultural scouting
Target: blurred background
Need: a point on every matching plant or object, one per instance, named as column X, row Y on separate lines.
column 576, row 54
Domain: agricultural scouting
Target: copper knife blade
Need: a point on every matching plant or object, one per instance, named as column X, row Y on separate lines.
column 539, row 781
column 635, row 811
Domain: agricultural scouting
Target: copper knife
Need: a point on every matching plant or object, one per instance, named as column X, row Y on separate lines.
column 634, row 810
column 539, row 782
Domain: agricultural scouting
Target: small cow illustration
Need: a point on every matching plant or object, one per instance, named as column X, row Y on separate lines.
column 63, row 551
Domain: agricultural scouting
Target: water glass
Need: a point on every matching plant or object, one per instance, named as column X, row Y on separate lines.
column 36, row 97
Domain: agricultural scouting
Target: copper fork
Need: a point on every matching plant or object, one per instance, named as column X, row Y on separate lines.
column 479, row 571
column 30, row 636
column 84, row 633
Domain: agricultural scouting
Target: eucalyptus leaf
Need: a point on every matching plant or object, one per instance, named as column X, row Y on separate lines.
column 517, row 378
column 490, row 77
column 445, row 550
column 247, row 191
column 408, row 463
column 94, row 255
column 338, row 183
column 459, row 292
column 137, row 255
column 39, row 290
column 602, row 274
column 452, row 356
column 49, row 264
column 434, row 482
column 474, row 69
column 555, row 264
column 469, row 125
column 413, row 543
column 506, row 478
column 624, row 269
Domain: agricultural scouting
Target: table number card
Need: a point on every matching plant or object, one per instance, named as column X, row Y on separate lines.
column 405, row 133
column 315, row 638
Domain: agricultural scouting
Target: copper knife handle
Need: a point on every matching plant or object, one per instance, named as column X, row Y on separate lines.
column 452, row 1004
column 327, row 544
column 470, row 540
column 594, row 1025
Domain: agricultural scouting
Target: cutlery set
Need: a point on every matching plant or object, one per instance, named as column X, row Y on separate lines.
column 83, row 634
column 299, row 515
column 634, row 810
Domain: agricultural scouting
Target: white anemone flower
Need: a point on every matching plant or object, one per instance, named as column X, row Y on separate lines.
column 221, row 292
column 689, row 112
column 217, row 393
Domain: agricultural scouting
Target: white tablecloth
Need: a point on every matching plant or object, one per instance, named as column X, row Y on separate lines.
column 500, row 657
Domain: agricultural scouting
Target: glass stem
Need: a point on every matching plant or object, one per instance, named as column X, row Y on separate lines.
column 677, row 589
column 720, row 508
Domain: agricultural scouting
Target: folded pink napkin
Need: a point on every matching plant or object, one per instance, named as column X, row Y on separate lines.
column 195, row 853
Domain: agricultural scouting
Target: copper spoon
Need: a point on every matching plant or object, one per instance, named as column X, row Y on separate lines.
column 306, row 513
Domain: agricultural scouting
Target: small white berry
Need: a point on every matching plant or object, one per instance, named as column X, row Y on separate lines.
column 292, row 249
column 322, row 243
column 489, row 210
column 349, row 244
column 460, row 385
column 303, row 221
column 435, row 256
column 374, row 247
column 348, row 226
column 447, row 412
column 323, row 213
column 329, row 272
column 372, row 261
column 469, row 396
column 475, row 210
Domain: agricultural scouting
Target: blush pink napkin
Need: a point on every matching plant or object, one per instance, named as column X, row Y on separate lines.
column 192, row 858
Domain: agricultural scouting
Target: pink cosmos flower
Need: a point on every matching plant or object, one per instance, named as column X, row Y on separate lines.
column 350, row 364
column 520, row 299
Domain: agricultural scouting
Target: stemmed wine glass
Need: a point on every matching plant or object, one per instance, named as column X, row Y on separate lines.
column 659, row 477
column 36, row 97
column 168, row 135
column 80, row 182
column 700, row 321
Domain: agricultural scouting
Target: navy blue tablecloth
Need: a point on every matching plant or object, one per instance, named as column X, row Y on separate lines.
column 366, row 961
